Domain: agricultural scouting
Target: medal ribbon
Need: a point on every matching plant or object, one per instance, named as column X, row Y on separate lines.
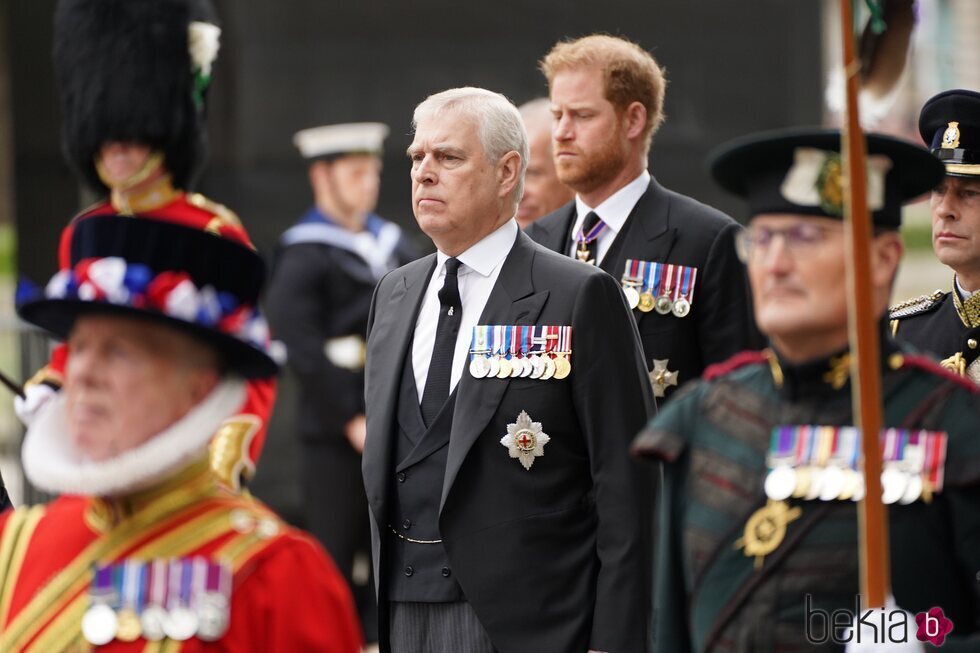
column 936, row 459
column 132, row 581
column 667, row 283
column 687, row 283
column 653, row 287
column 199, row 577
column 552, row 335
column 592, row 234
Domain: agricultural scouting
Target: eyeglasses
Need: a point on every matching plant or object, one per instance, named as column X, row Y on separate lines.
column 800, row 239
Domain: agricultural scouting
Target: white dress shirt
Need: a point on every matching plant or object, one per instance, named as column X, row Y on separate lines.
column 477, row 275
column 964, row 294
column 613, row 212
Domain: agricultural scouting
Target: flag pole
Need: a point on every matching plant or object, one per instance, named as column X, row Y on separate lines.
column 863, row 332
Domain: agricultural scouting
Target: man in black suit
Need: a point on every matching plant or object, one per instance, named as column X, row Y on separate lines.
column 503, row 382
column 675, row 257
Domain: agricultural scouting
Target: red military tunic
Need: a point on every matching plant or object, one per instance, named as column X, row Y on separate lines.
column 238, row 443
column 286, row 594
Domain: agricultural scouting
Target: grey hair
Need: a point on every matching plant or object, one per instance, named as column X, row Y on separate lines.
column 500, row 126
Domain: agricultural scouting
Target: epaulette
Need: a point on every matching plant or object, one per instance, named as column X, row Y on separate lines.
column 934, row 368
column 220, row 211
column 737, row 361
column 916, row 305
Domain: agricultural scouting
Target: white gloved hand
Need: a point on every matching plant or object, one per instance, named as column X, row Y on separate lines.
column 36, row 396
column 871, row 634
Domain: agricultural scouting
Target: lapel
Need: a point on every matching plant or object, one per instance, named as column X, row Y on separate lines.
column 647, row 234
column 556, row 235
column 391, row 338
column 513, row 301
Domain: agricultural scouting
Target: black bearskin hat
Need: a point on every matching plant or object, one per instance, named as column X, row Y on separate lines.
column 125, row 73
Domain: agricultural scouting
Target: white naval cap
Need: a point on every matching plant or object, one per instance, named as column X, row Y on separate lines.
column 337, row 140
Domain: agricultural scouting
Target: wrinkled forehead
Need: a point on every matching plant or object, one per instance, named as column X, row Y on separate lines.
column 445, row 129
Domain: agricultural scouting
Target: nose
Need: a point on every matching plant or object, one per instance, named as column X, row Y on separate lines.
column 776, row 257
column 423, row 172
column 561, row 129
column 944, row 205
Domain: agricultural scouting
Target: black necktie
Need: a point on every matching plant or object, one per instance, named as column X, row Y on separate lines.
column 586, row 243
column 441, row 363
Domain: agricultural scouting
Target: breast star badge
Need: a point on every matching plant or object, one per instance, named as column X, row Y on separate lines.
column 525, row 440
column 661, row 377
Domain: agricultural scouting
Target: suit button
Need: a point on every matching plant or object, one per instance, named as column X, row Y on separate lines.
column 409, row 570
column 971, row 343
column 401, row 477
column 407, row 524
column 446, row 573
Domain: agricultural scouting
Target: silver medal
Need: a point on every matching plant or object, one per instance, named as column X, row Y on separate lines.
column 913, row 490
column 181, row 624
column 213, row 618
column 780, row 483
column 681, row 307
column 893, row 484
column 537, row 366
column 632, row 296
column 664, row 305
column 152, row 619
column 516, row 367
column 479, row 367
column 832, row 481
column 99, row 624
column 528, row 368
column 494, row 366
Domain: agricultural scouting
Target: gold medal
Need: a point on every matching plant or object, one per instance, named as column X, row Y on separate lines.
column 549, row 368
column 803, row 477
column 562, row 367
column 130, row 628
column 766, row 529
column 646, row 302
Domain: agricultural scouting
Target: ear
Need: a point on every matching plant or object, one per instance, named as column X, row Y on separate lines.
column 886, row 251
column 319, row 170
column 508, row 173
column 635, row 118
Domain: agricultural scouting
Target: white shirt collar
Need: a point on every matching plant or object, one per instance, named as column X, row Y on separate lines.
column 965, row 294
column 618, row 206
column 486, row 254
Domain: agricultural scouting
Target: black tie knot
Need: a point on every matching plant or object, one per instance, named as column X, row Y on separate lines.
column 591, row 220
column 449, row 293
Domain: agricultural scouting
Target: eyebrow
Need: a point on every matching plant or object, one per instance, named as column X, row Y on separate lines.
column 436, row 149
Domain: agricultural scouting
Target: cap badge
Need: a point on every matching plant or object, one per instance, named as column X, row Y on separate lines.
column 951, row 137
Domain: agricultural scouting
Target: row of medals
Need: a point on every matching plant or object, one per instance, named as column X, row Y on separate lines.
column 101, row 624
column 646, row 301
column 840, row 484
column 535, row 366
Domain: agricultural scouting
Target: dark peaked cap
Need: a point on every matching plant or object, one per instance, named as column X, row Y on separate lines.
column 798, row 171
column 124, row 73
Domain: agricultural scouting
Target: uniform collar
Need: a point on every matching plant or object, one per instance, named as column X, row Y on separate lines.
column 52, row 464
column 827, row 375
column 617, row 207
column 967, row 305
column 145, row 198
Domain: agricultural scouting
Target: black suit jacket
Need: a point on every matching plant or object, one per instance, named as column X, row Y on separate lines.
column 667, row 227
column 549, row 558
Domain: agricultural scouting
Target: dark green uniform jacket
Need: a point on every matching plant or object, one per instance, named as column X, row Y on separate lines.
column 713, row 439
